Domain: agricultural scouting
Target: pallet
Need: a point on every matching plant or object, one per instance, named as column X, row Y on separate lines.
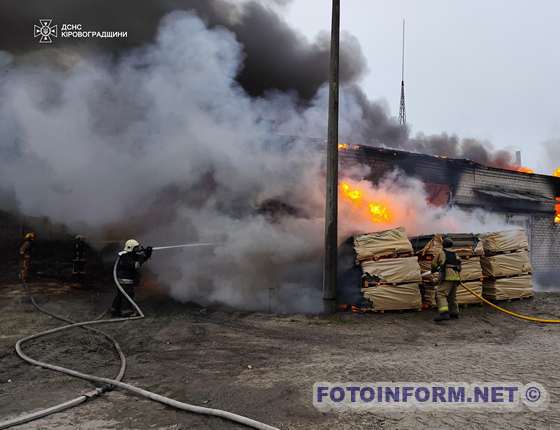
column 394, row 311
column 494, row 278
column 511, row 251
column 384, row 257
column 386, row 284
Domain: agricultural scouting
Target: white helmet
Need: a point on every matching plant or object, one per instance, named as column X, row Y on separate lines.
column 130, row 245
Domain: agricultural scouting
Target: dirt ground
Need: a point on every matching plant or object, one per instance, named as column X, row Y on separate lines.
column 264, row 366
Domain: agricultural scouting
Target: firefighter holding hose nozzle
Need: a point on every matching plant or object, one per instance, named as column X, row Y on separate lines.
column 130, row 260
column 449, row 266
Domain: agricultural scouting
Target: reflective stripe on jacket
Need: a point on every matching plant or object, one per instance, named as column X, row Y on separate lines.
column 450, row 273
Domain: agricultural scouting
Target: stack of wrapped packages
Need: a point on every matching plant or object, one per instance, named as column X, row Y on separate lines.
column 390, row 271
column 468, row 249
column 506, row 265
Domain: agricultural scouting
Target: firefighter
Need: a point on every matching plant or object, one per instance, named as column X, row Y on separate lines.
column 130, row 260
column 79, row 266
column 25, row 252
column 449, row 266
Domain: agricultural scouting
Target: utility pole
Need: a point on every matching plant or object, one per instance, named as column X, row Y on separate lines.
column 331, row 210
column 402, row 111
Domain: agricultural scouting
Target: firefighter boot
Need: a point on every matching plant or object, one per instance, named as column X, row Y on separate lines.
column 454, row 315
column 443, row 316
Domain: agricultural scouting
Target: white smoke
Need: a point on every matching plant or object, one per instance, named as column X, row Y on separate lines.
column 166, row 135
column 166, row 139
column 406, row 203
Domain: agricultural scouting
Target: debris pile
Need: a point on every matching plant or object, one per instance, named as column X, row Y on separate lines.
column 506, row 265
column 467, row 247
column 390, row 271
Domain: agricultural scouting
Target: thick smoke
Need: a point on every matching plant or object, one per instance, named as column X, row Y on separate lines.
column 375, row 127
column 166, row 135
column 163, row 142
column 276, row 57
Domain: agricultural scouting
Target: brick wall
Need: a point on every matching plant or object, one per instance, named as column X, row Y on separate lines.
column 545, row 250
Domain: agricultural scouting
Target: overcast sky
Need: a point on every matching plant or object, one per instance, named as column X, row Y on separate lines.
column 488, row 69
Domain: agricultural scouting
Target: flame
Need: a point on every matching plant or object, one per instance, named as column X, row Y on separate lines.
column 557, row 206
column 343, row 146
column 379, row 212
column 376, row 211
column 525, row 169
column 350, row 193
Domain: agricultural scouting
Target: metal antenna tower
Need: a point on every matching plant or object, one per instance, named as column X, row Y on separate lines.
column 402, row 111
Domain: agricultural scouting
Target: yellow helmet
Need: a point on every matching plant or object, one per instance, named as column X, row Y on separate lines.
column 130, row 245
column 29, row 236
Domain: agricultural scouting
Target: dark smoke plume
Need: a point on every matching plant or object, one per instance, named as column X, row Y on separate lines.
column 276, row 56
column 453, row 147
column 374, row 126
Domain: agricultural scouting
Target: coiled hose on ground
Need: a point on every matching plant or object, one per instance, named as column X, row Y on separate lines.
column 107, row 383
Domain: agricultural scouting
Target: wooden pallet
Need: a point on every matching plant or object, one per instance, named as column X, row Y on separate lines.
column 494, row 278
column 384, row 257
column 394, row 311
column 511, row 251
column 367, row 285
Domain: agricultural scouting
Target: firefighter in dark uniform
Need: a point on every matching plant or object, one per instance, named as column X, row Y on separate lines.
column 130, row 261
column 25, row 252
column 79, row 262
column 449, row 266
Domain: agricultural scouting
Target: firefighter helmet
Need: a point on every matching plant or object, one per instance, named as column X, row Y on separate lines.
column 130, row 245
column 447, row 243
column 29, row 236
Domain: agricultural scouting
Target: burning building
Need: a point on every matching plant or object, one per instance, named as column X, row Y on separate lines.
column 519, row 198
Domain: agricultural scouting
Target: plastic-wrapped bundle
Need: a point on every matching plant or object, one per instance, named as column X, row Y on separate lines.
column 464, row 297
column 393, row 297
column 393, row 270
column 504, row 241
column 501, row 265
column 509, row 288
column 471, row 269
column 381, row 244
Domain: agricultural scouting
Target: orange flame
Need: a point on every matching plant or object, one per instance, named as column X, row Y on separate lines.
column 350, row 193
column 557, row 217
column 525, row 169
column 377, row 212
column 343, row 146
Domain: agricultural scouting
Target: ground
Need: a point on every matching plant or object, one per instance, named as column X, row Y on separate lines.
column 264, row 366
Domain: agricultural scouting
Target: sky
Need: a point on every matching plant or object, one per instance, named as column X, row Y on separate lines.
column 483, row 69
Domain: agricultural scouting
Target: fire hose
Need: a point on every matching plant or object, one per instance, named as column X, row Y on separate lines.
column 511, row 313
column 107, row 383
